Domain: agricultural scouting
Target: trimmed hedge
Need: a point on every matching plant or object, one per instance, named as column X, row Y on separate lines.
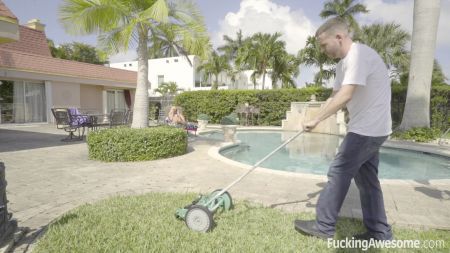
column 273, row 104
column 128, row 144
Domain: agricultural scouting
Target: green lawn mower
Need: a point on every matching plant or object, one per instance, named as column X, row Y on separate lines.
column 199, row 215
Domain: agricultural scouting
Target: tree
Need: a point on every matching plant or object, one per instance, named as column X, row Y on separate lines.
column 77, row 51
column 345, row 9
column 423, row 45
column 231, row 47
column 165, row 42
column 215, row 65
column 121, row 23
column 312, row 55
column 389, row 40
column 169, row 88
column 260, row 53
column 285, row 67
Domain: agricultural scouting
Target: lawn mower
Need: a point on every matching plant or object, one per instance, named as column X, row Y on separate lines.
column 198, row 215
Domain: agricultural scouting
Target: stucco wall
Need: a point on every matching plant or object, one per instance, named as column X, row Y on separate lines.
column 91, row 97
column 66, row 94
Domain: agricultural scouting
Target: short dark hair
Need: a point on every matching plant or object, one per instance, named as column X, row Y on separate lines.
column 333, row 24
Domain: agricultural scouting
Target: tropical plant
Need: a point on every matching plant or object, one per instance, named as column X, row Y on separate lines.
column 389, row 40
column 231, row 47
column 260, row 53
column 167, row 88
column 423, row 45
column 167, row 42
column 123, row 23
column 285, row 68
column 214, row 66
column 312, row 55
column 345, row 9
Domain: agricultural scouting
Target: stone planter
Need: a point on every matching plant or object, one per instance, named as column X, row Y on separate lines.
column 229, row 133
column 202, row 124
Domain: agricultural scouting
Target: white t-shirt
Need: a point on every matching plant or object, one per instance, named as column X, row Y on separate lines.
column 370, row 105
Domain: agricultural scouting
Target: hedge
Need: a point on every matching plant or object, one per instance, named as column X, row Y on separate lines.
column 273, row 104
column 127, row 144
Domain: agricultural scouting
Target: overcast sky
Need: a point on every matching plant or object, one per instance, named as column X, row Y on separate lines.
column 295, row 19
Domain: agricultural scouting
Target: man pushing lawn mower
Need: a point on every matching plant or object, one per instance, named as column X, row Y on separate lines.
column 362, row 85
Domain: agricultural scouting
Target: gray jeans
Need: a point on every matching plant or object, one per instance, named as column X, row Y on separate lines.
column 357, row 158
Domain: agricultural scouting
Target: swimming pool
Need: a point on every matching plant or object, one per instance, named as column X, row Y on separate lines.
column 312, row 153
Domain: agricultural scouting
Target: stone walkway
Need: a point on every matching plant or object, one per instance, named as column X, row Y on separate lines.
column 47, row 177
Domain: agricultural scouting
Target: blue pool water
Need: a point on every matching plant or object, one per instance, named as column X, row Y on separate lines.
column 312, row 153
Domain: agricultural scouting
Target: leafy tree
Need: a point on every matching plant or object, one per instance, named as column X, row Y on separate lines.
column 389, row 40
column 312, row 55
column 77, row 51
column 214, row 66
column 346, row 9
column 122, row 23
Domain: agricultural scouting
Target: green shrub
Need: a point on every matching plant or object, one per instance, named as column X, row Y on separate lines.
column 203, row 116
column 273, row 104
column 419, row 134
column 231, row 119
column 127, row 144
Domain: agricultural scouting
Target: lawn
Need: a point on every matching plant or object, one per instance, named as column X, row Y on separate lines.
column 146, row 223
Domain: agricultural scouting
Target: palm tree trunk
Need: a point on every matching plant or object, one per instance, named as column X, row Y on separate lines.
column 140, row 114
column 216, row 82
column 423, row 45
column 264, row 79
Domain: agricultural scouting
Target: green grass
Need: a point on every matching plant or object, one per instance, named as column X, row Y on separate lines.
column 147, row 224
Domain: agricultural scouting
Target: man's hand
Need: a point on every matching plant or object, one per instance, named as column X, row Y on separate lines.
column 310, row 125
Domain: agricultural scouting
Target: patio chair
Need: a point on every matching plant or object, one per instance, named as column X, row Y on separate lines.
column 69, row 122
column 117, row 118
column 128, row 117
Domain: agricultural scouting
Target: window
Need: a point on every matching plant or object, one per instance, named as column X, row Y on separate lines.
column 130, row 64
column 115, row 100
column 160, row 79
column 125, row 65
column 176, row 60
column 167, row 61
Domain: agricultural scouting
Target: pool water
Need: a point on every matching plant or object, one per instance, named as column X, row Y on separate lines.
column 313, row 153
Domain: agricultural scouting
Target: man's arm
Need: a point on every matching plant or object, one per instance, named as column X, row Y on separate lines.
column 336, row 101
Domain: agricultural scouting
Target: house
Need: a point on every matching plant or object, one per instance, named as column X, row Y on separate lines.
column 32, row 81
column 184, row 73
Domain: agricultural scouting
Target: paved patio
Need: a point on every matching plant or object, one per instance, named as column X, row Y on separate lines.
column 47, row 177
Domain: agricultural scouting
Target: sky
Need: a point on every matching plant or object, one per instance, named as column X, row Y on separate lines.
column 295, row 19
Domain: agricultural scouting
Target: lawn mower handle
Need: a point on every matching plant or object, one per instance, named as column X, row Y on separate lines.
column 254, row 167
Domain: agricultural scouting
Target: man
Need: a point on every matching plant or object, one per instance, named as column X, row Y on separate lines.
column 362, row 85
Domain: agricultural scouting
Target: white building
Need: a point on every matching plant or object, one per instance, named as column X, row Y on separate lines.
column 184, row 74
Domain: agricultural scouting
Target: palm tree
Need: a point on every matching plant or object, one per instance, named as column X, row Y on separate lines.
column 261, row 52
column 231, row 47
column 214, row 66
column 423, row 45
column 345, row 9
column 165, row 41
column 312, row 55
column 121, row 23
column 389, row 40
column 284, row 69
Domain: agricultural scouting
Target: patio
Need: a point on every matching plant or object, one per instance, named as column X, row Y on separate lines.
column 47, row 177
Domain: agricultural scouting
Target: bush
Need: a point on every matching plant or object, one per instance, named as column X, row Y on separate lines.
column 231, row 119
column 419, row 134
column 203, row 116
column 273, row 104
column 127, row 144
